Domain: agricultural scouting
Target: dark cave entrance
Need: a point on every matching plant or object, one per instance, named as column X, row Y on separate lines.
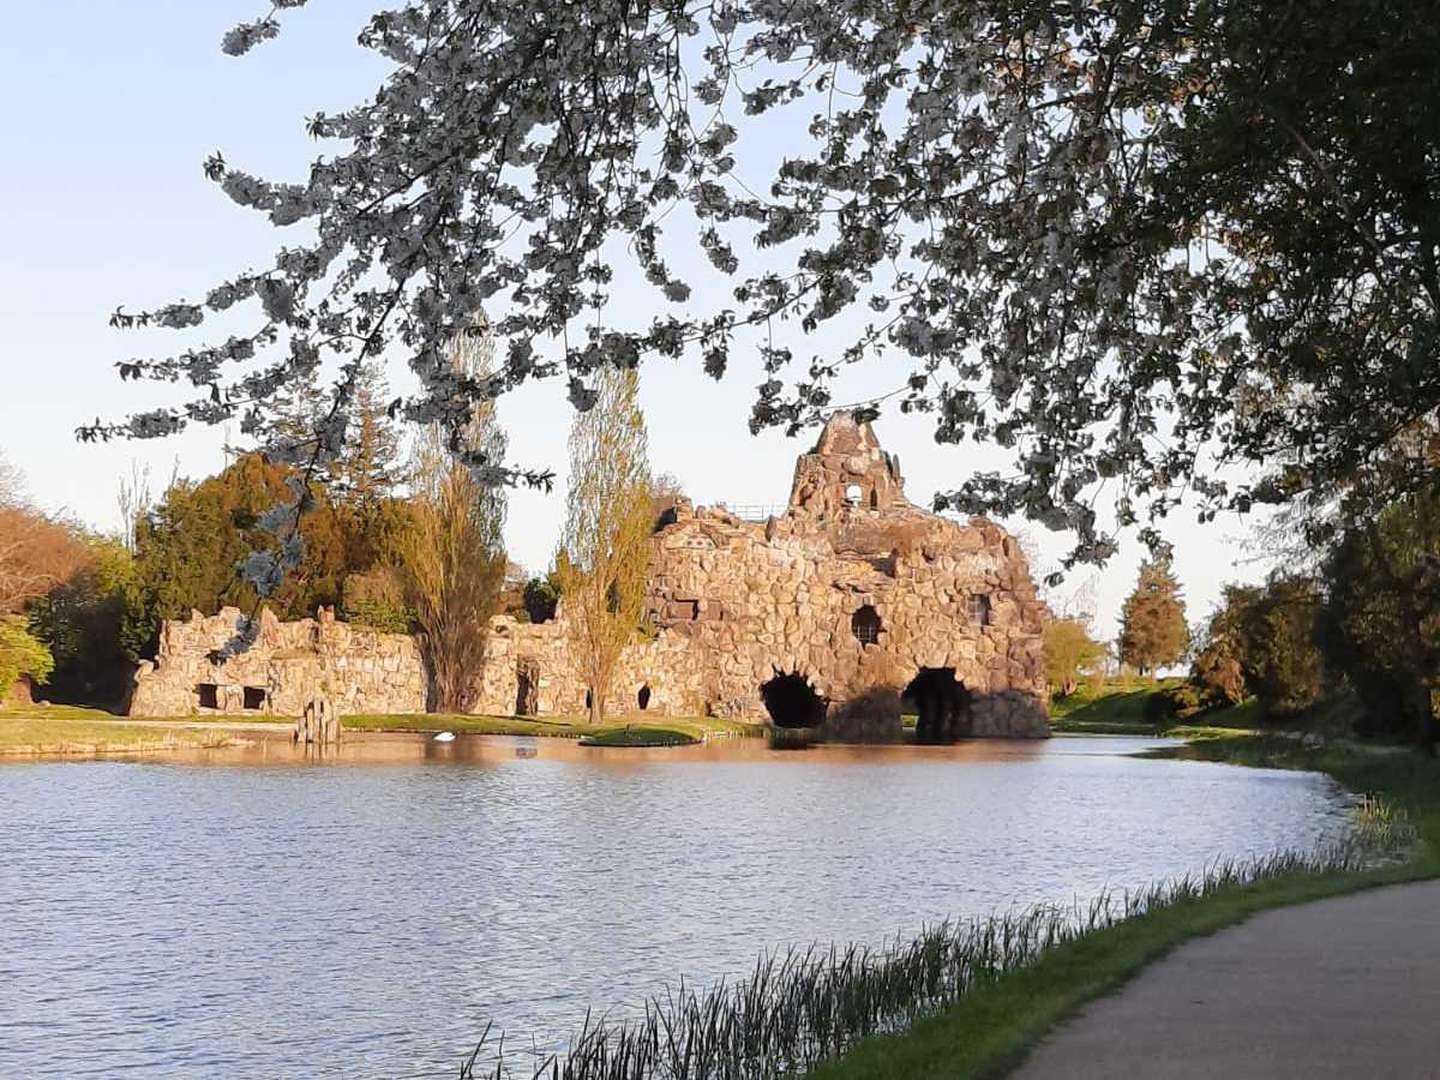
column 942, row 704
column 792, row 702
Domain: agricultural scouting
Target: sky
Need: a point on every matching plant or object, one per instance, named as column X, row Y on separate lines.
column 109, row 111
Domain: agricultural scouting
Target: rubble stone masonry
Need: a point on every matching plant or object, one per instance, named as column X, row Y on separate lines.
column 838, row 613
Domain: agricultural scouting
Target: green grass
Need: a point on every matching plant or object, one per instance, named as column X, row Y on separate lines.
column 28, row 735
column 625, row 735
column 1114, row 709
column 992, row 1027
column 53, row 729
column 693, row 729
column 1119, row 709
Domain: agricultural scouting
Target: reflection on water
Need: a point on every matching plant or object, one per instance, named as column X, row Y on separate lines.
column 271, row 915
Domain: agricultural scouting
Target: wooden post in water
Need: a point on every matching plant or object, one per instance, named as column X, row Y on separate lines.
column 320, row 723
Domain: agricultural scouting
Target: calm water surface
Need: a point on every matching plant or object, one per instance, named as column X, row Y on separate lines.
column 250, row 914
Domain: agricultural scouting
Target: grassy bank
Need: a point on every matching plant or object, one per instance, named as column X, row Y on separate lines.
column 990, row 1029
column 637, row 726
column 67, row 729
column 1120, row 709
column 86, row 736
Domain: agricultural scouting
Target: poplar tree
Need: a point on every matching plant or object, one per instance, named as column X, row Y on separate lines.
column 453, row 557
column 1153, row 633
column 605, row 547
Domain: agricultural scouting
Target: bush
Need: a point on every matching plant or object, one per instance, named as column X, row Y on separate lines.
column 21, row 654
column 542, row 597
column 1160, row 709
column 377, row 600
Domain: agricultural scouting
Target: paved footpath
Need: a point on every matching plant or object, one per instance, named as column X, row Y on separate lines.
column 1348, row 987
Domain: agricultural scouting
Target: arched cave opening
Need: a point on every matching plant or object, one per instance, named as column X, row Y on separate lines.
column 643, row 697
column 941, row 703
column 792, row 702
column 865, row 624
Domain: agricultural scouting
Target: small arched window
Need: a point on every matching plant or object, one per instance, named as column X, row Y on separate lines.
column 854, row 495
column 643, row 698
column 866, row 625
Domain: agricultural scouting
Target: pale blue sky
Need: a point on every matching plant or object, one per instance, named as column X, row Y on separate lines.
column 109, row 111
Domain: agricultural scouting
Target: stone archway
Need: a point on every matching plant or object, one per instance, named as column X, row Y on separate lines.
column 792, row 702
column 942, row 703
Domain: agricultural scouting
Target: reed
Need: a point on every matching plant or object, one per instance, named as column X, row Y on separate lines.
column 800, row 1008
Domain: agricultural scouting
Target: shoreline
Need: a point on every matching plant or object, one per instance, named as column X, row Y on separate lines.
column 990, row 1032
column 70, row 732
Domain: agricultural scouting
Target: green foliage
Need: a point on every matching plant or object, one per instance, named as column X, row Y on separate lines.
column 369, row 468
column 189, row 550
column 1267, row 634
column 86, row 622
column 377, row 599
column 1153, row 633
column 1380, row 625
column 21, row 654
column 608, row 526
column 542, row 597
column 1171, row 704
column 1070, row 654
column 452, row 561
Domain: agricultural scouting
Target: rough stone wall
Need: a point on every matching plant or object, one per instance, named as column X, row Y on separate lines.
column 782, row 598
column 667, row 666
column 853, row 590
column 358, row 669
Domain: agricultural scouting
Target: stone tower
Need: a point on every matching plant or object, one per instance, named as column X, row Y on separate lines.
column 847, row 468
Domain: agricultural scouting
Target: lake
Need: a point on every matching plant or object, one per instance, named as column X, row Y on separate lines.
column 256, row 913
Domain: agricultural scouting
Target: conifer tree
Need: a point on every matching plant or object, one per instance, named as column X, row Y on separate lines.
column 369, row 468
column 1153, row 633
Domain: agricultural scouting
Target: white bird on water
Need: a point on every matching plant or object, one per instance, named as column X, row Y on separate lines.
column 445, row 736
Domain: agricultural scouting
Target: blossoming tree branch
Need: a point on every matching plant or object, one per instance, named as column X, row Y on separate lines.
column 1132, row 241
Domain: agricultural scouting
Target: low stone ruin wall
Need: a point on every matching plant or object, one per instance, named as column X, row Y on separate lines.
column 357, row 669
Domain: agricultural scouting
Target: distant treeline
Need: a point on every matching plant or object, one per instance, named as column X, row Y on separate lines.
column 1354, row 637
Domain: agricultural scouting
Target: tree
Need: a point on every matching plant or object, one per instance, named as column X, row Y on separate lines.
column 1216, row 672
column 1273, row 628
column 606, row 544
column 191, row 549
column 1379, row 625
column 368, row 470
column 1153, row 633
column 542, row 597
column 85, row 622
column 21, row 655
column 453, row 561
column 37, row 550
column 1106, row 236
column 1070, row 653
column 12, row 487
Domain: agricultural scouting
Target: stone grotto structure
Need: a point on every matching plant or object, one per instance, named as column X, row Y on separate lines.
column 841, row 612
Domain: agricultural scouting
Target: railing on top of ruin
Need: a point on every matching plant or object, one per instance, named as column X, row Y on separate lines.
column 753, row 511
